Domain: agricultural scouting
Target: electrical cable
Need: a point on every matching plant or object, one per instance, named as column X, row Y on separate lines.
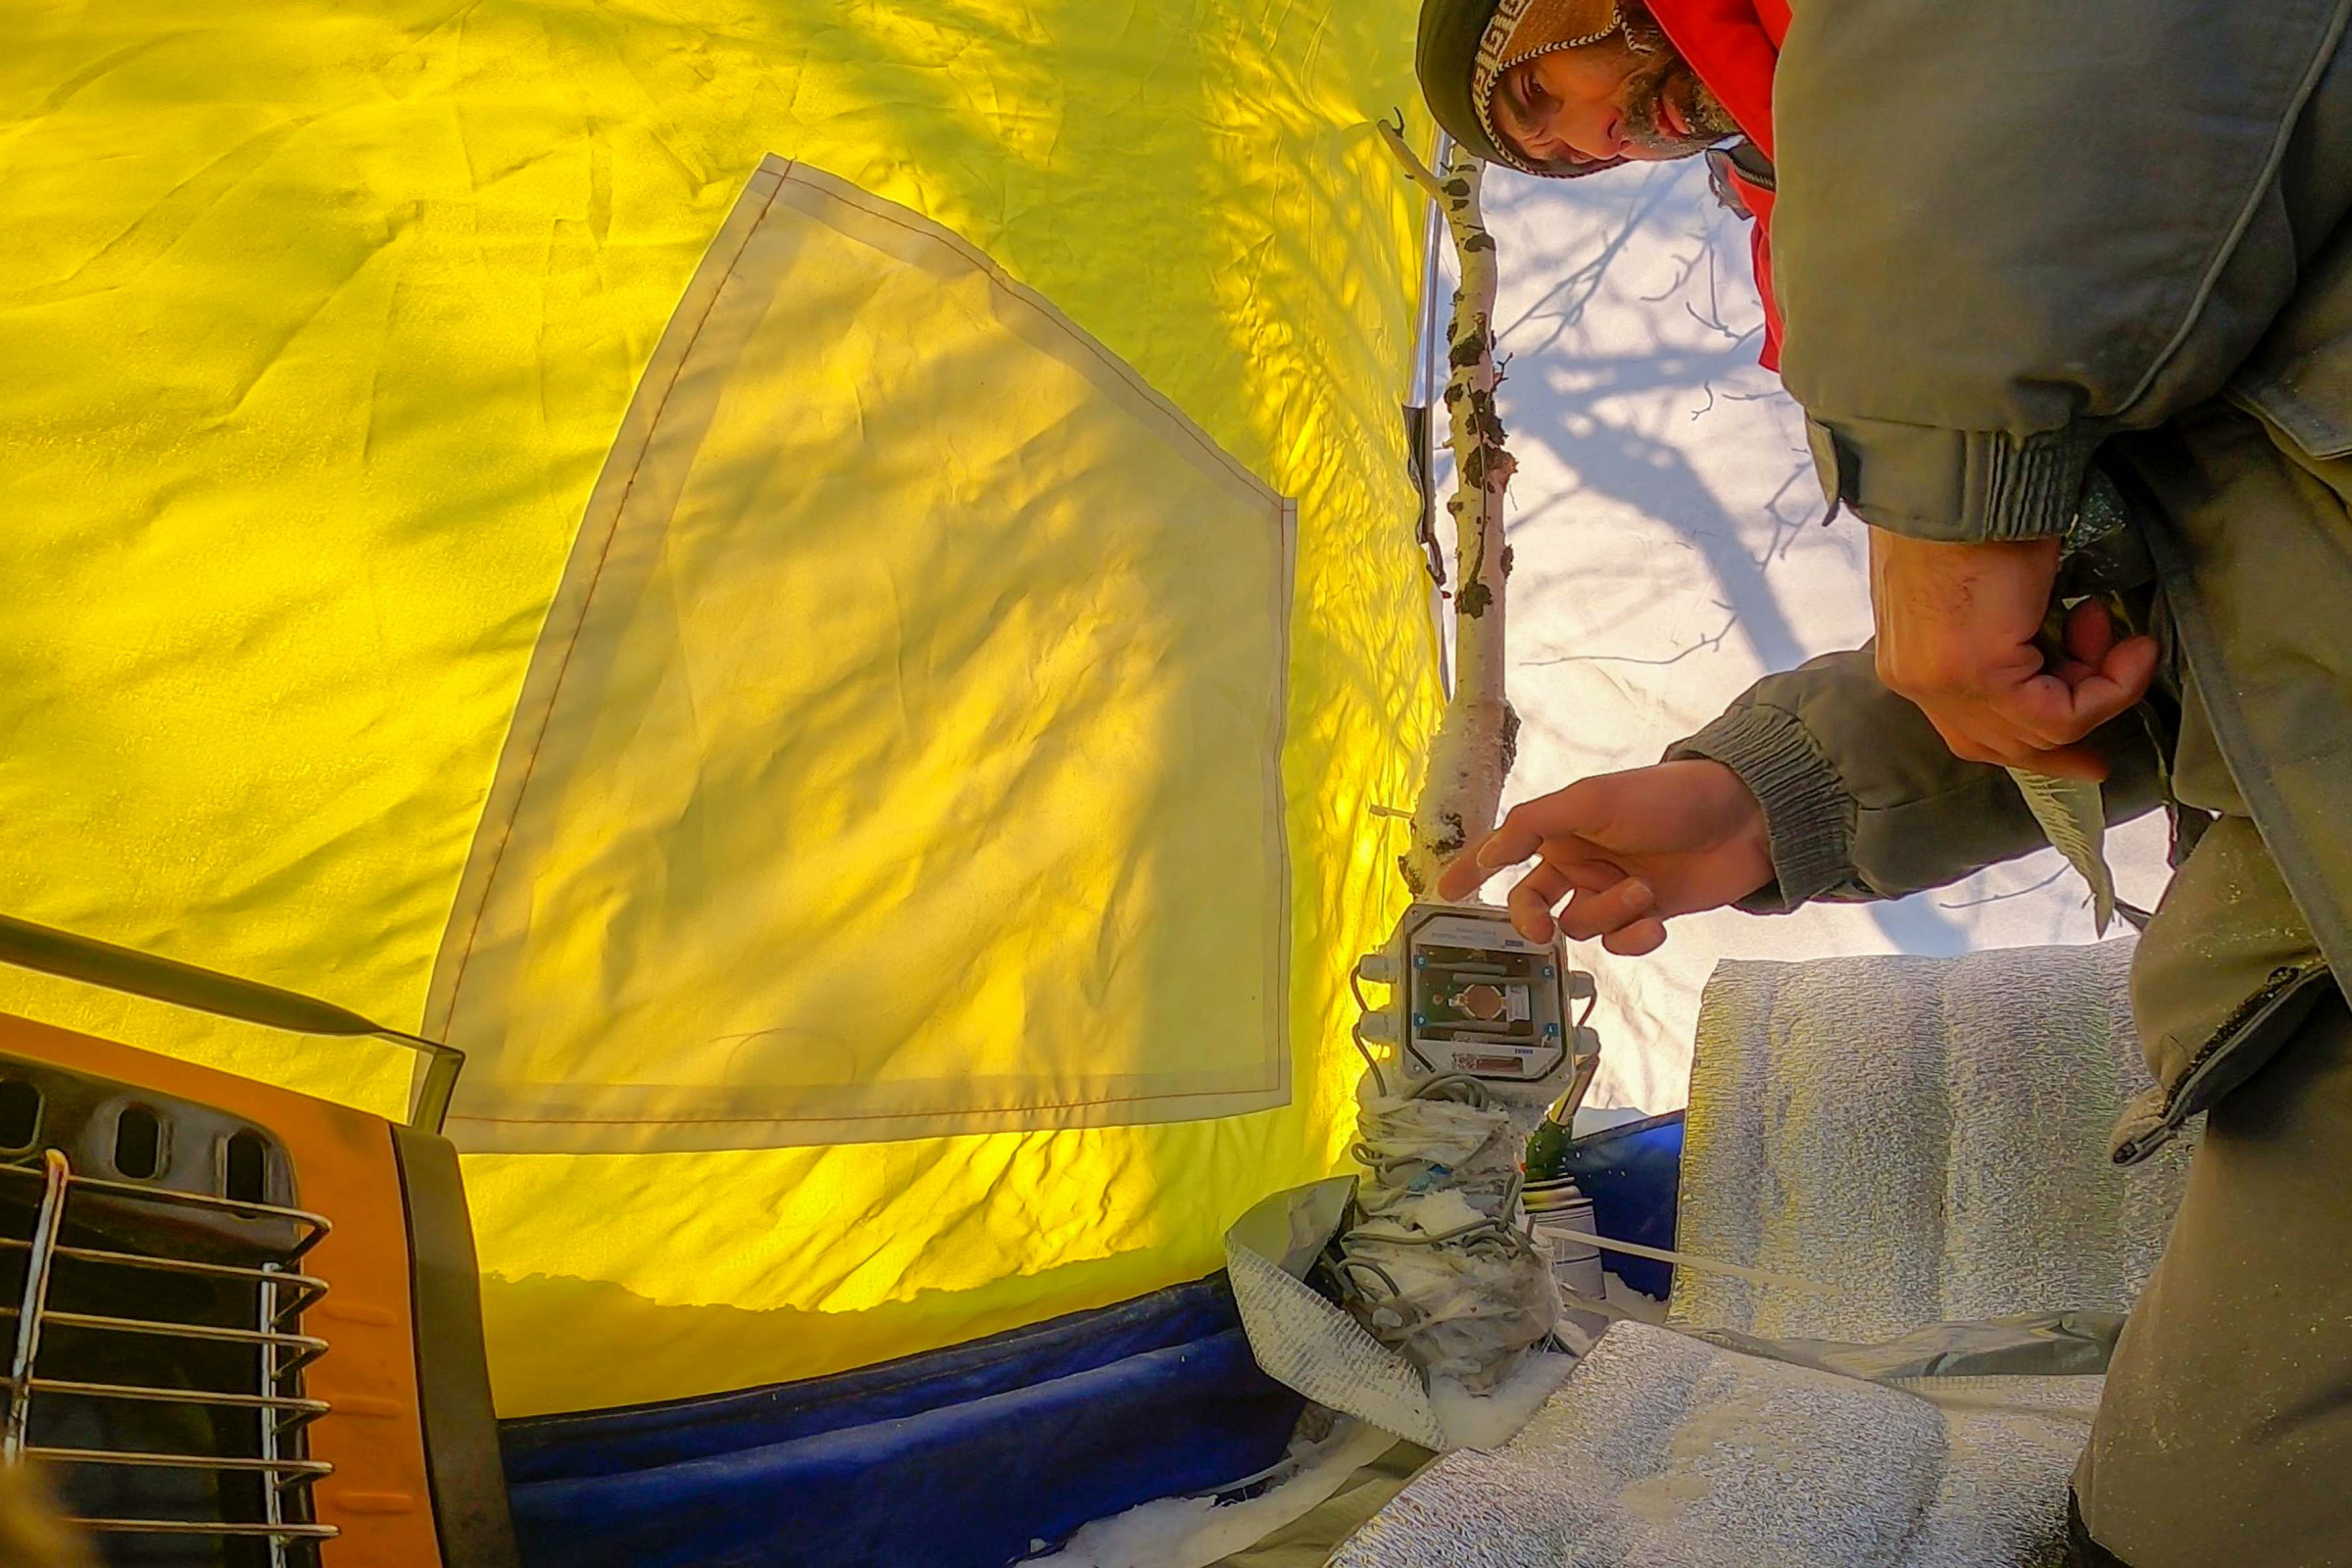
column 1378, row 1079
column 1355, row 1032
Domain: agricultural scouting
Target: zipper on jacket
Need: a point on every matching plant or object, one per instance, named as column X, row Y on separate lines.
column 1729, row 165
column 2287, row 983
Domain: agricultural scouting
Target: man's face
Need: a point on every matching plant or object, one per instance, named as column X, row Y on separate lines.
column 1607, row 100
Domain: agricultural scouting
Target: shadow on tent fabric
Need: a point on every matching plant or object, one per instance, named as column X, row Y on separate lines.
column 973, row 1457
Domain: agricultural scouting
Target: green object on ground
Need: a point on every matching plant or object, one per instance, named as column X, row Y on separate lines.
column 1547, row 1151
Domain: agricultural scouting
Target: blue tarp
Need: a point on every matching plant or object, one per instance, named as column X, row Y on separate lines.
column 971, row 1457
column 1633, row 1174
column 959, row 1459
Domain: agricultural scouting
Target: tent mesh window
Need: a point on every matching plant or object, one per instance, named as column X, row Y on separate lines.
column 156, row 1350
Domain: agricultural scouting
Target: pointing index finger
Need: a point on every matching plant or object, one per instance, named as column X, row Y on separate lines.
column 1462, row 876
column 1522, row 834
column 1505, row 847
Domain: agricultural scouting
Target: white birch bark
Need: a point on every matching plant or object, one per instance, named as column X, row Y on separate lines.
column 1461, row 1298
column 1461, row 788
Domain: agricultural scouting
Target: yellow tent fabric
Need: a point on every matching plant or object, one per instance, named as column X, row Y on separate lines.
column 317, row 326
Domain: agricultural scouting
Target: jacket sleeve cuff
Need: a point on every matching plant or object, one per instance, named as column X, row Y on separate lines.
column 1807, row 810
column 1959, row 486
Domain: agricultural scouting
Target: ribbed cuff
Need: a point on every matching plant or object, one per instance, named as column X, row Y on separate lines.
column 1807, row 811
column 2028, row 489
column 1958, row 486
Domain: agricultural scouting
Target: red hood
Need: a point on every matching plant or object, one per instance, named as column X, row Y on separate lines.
column 1732, row 45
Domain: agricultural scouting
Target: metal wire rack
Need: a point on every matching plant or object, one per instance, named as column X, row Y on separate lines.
column 156, row 1362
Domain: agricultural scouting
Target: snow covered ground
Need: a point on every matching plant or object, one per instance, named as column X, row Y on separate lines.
column 1669, row 550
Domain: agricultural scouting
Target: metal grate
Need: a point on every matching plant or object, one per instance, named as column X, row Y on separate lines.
column 157, row 1364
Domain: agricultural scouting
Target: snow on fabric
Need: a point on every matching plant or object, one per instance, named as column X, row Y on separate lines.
column 1195, row 1532
column 1663, row 1450
column 1934, row 1132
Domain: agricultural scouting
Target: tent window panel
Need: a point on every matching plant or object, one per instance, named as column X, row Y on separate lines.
column 902, row 755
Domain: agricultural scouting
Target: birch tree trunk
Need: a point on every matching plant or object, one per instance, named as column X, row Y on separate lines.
column 1461, row 788
column 1462, row 1301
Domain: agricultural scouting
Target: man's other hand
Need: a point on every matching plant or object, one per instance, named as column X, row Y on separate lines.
column 1957, row 624
column 1627, row 852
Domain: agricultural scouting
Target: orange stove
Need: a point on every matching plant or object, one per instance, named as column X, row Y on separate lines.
column 242, row 1325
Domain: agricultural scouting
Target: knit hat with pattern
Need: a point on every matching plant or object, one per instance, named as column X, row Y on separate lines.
column 1465, row 47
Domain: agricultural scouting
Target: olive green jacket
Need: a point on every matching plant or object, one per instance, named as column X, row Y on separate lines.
column 2013, row 240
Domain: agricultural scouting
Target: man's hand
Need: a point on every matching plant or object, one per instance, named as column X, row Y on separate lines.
column 1956, row 629
column 1627, row 851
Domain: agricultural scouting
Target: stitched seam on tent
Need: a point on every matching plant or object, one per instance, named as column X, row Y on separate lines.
column 1005, row 282
column 863, row 1115
column 1120, row 376
column 588, row 599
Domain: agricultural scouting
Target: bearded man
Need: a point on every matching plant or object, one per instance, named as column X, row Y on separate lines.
column 2066, row 294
